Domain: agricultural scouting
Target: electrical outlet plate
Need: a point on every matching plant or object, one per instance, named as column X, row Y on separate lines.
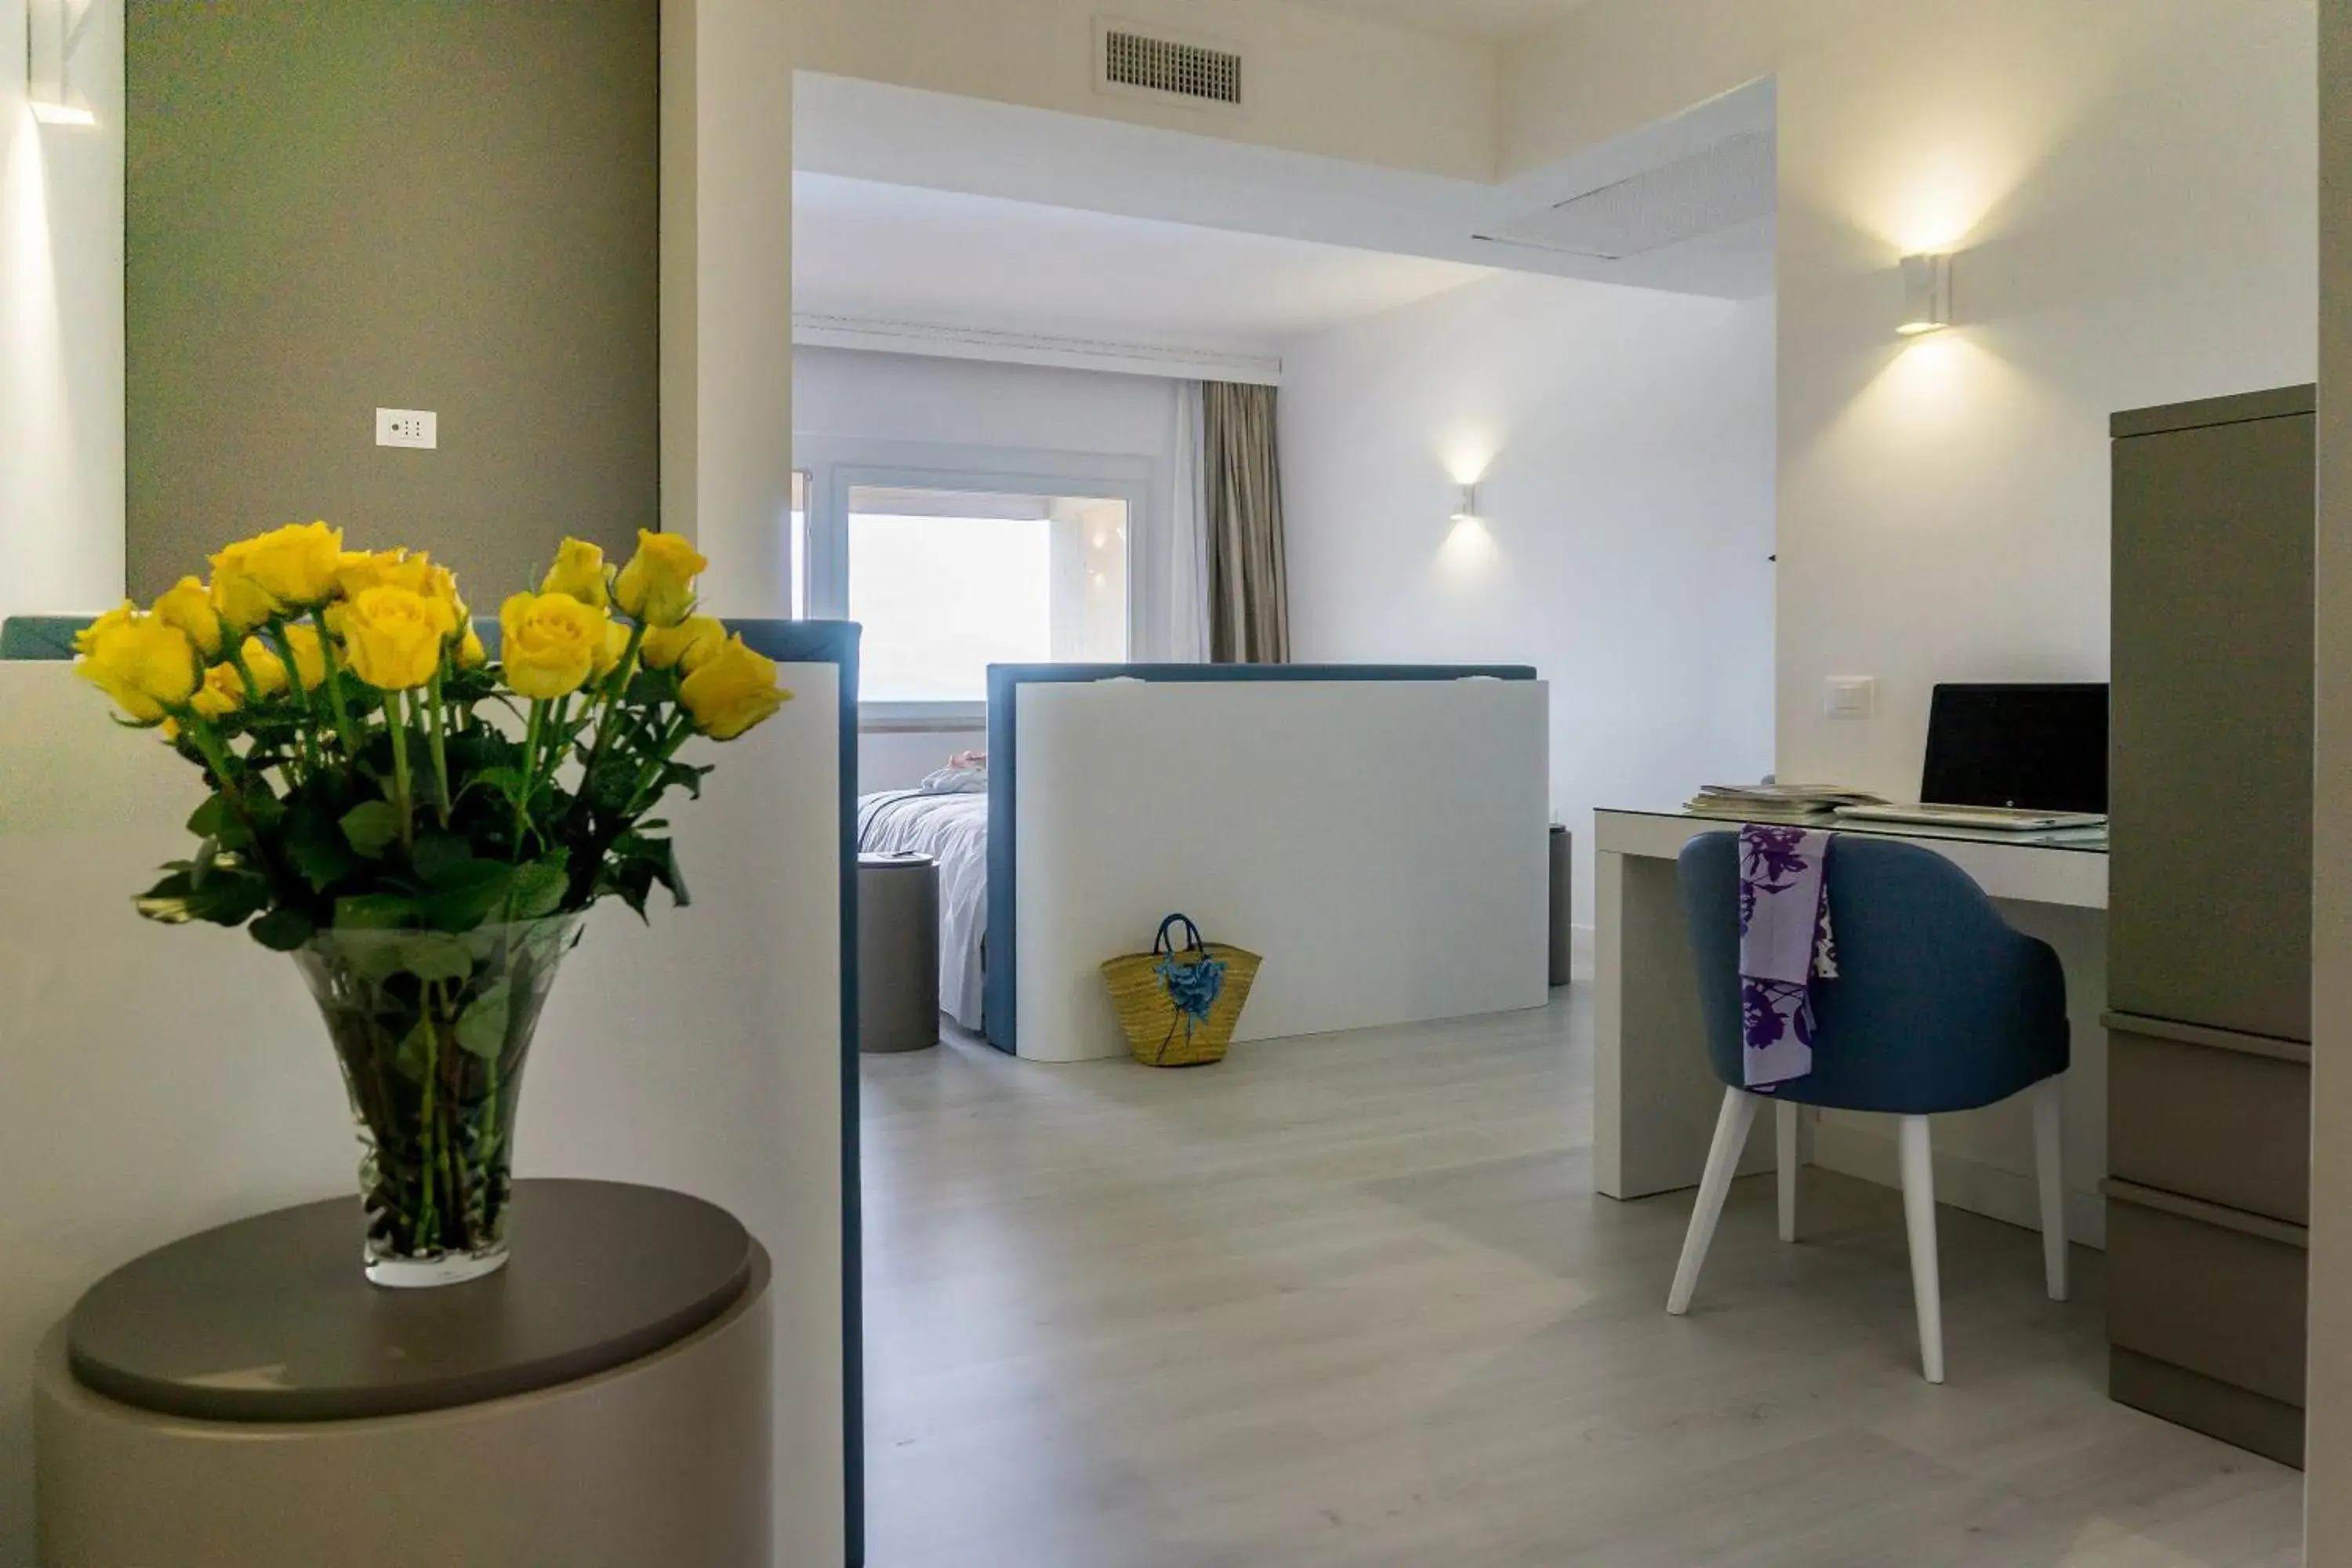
column 1850, row 696
column 419, row 428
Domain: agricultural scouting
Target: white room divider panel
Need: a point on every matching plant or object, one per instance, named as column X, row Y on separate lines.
column 1382, row 843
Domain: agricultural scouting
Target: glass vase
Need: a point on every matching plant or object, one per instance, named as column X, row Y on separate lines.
column 432, row 1031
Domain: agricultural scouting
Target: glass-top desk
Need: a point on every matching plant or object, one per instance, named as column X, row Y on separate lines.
column 1654, row 1102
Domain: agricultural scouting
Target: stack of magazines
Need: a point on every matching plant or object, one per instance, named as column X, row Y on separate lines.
column 1774, row 802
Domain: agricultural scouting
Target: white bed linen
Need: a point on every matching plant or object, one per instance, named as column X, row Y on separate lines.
column 953, row 830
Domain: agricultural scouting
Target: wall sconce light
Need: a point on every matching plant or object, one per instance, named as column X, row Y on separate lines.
column 1926, row 295
column 54, row 32
column 1467, row 511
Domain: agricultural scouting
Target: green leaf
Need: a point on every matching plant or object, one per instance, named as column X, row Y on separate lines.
column 415, row 1053
column 508, row 782
column 482, row 1027
column 214, row 819
column 664, row 858
column 467, row 894
column 539, row 887
column 229, row 895
column 283, row 930
column 322, row 862
column 371, row 827
column 315, row 845
column 436, row 858
column 430, row 956
column 376, row 912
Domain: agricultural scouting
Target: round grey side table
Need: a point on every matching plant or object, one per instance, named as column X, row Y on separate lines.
column 244, row 1398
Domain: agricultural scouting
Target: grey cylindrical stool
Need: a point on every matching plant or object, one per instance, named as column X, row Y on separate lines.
column 1563, row 904
column 897, row 952
column 601, row 1401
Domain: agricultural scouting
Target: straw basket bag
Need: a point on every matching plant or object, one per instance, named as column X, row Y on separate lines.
column 1178, row 1004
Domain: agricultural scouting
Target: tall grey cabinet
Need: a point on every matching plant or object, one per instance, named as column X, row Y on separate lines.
column 2209, row 918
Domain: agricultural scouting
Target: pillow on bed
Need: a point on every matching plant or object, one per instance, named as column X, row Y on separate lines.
column 966, row 774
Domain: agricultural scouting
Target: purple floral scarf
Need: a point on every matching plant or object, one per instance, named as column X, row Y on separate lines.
column 1784, row 947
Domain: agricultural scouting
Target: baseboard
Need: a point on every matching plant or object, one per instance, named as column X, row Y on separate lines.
column 1964, row 1184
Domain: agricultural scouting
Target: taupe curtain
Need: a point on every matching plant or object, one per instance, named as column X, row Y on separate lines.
column 1249, row 587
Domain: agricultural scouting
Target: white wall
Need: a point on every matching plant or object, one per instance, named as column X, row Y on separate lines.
column 61, row 509
column 1317, row 81
column 851, row 407
column 2129, row 185
column 1625, row 440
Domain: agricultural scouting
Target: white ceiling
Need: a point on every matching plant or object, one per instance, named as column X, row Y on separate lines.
column 873, row 132
column 903, row 254
column 1491, row 21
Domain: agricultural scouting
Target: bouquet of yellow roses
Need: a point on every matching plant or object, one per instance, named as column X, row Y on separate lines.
column 423, row 826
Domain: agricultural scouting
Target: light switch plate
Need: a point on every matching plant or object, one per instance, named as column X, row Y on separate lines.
column 407, row 427
column 1850, row 696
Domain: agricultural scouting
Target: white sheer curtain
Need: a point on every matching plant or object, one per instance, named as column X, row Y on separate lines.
column 1184, row 546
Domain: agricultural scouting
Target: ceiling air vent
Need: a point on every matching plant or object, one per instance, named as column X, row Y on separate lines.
column 1202, row 72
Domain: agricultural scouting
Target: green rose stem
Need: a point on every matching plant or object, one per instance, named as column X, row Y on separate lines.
column 656, row 762
column 217, row 758
column 335, row 686
column 440, row 753
column 530, row 737
column 607, row 695
column 231, row 642
column 428, row 1219
column 294, row 679
column 395, row 710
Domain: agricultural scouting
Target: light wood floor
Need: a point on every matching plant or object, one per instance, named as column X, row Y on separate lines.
column 1353, row 1300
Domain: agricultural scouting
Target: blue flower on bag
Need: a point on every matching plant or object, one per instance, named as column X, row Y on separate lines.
column 1193, row 987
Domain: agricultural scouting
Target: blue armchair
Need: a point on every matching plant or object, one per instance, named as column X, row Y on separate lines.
column 1939, row 1005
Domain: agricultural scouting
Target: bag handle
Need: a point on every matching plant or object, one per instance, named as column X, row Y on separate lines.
column 1192, row 942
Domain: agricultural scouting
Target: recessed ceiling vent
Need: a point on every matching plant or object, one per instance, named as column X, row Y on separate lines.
column 1715, row 188
column 1202, row 72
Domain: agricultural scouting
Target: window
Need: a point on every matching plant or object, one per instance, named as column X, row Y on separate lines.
column 948, row 582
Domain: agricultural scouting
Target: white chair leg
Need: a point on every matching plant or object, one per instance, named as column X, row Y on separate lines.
column 1731, row 1127
column 2049, row 1098
column 1919, row 1218
column 1784, row 1135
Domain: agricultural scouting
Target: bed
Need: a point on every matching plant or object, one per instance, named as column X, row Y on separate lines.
column 953, row 828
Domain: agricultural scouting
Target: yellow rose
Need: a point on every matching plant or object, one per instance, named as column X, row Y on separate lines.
column 471, row 654
column 281, row 572
column 147, row 666
column 394, row 637
column 188, row 605
column 361, row 570
column 222, row 693
column 441, row 587
column 550, row 643
column 309, row 656
column 579, row 571
column 357, row 571
column 734, row 689
column 608, row 653
column 261, row 661
column 121, row 615
column 687, row 645
column 657, row 586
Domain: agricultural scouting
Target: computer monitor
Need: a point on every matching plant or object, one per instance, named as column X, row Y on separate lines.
column 2043, row 747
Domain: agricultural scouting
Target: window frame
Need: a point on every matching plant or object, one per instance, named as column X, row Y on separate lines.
column 836, row 467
